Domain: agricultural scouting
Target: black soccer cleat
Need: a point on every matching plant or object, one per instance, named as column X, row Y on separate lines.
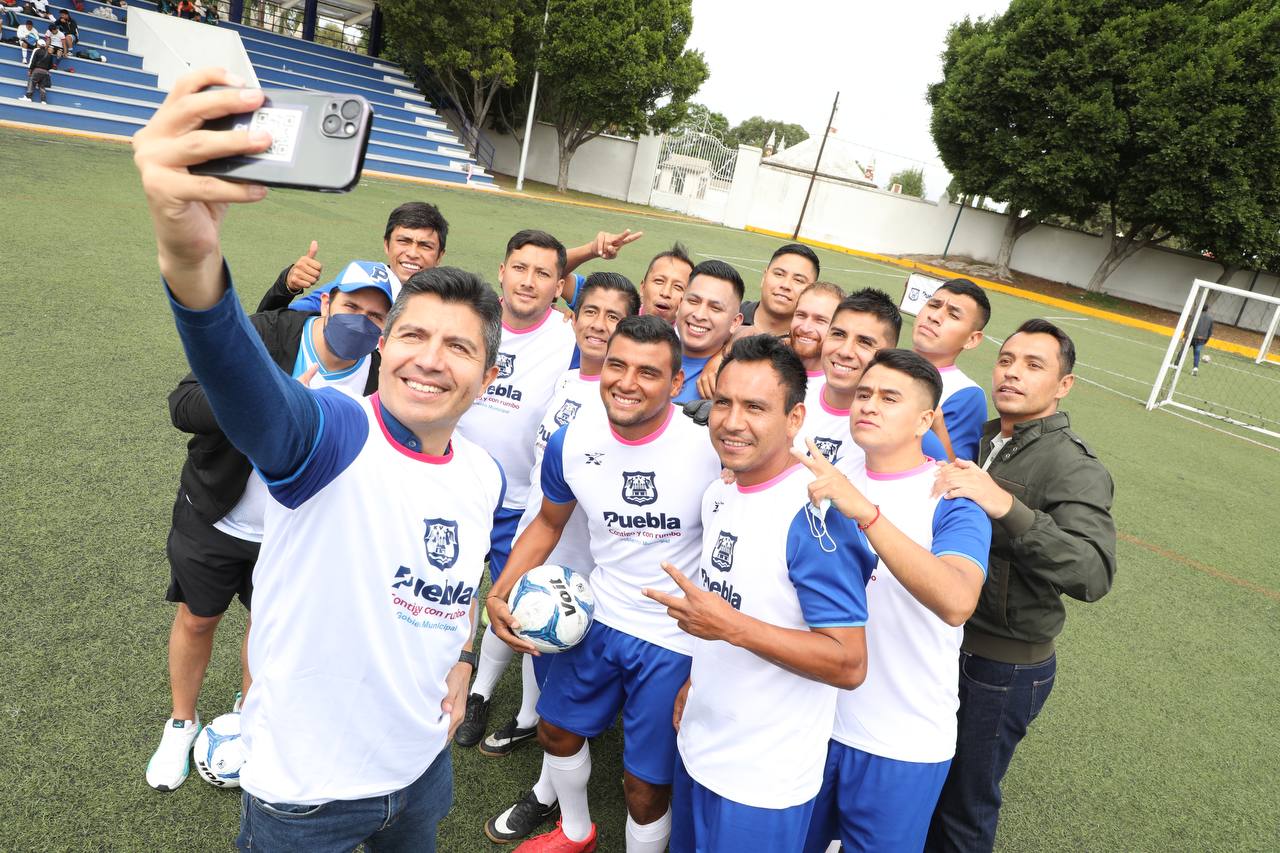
column 501, row 743
column 474, row 723
column 520, row 820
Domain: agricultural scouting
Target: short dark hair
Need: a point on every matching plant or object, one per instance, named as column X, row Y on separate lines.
column 677, row 252
column 781, row 358
column 543, row 240
column 721, row 270
column 617, row 282
column 1066, row 347
column 877, row 303
column 964, row 287
column 453, row 285
column 803, row 251
column 418, row 214
column 650, row 329
column 914, row 365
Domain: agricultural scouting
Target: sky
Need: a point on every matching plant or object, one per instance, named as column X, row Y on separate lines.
column 786, row 60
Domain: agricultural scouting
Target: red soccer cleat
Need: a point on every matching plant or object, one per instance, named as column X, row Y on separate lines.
column 556, row 842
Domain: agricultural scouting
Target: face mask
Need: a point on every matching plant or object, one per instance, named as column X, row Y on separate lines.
column 351, row 336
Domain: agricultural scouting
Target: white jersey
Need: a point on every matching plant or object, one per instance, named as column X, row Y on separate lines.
column 574, row 394
column 906, row 708
column 964, row 408
column 363, row 595
column 246, row 518
column 829, row 429
column 761, row 553
column 643, row 502
column 504, row 419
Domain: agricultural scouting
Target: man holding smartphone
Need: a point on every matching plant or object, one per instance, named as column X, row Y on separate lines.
column 359, row 640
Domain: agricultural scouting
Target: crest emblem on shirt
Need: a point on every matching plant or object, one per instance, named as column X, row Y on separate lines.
column 638, row 488
column 722, row 553
column 568, row 411
column 506, row 365
column 830, row 447
column 442, row 542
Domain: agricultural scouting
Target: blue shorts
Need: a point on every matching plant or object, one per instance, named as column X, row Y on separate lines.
column 611, row 671
column 505, row 521
column 872, row 803
column 702, row 821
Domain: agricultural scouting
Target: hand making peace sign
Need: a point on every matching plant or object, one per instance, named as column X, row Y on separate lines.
column 700, row 613
column 831, row 484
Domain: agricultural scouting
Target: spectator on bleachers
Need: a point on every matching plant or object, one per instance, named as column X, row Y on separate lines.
column 37, row 8
column 70, row 32
column 28, row 39
column 57, row 41
column 210, row 15
column 187, row 9
column 38, row 77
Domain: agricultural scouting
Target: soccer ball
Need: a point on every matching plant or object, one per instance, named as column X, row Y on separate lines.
column 554, row 606
column 218, row 752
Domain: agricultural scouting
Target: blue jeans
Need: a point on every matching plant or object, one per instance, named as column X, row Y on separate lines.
column 998, row 701
column 1196, row 350
column 403, row 820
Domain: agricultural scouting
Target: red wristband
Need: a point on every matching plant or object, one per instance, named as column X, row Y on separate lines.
column 872, row 521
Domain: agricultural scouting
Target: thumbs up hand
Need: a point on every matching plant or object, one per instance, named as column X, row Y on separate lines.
column 306, row 270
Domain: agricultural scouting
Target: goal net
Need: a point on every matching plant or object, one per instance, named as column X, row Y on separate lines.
column 1236, row 381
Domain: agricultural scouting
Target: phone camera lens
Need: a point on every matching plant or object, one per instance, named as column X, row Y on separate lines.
column 332, row 124
column 349, row 129
column 350, row 109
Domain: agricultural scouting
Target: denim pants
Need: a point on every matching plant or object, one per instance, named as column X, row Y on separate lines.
column 404, row 820
column 998, row 701
column 1196, row 351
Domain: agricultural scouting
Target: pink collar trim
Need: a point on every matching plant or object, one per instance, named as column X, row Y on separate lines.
column 653, row 436
column 588, row 377
column 902, row 475
column 948, row 368
column 827, row 407
column 773, row 481
column 374, row 399
column 814, row 374
column 533, row 328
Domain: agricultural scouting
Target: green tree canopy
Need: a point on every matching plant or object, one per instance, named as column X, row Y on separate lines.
column 912, row 181
column 606, row 64
column 756, row 130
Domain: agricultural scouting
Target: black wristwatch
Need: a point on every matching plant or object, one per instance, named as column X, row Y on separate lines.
column 469, row 657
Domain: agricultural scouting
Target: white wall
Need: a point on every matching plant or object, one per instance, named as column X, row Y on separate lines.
column 610, row 166
column 172, row 46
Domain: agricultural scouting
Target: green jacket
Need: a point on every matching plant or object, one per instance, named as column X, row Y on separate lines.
column 1057, row 539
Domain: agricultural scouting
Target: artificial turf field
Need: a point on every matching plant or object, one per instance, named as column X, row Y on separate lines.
column 1161, row 733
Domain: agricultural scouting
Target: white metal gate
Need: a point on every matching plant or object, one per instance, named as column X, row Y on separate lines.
column 694, row 174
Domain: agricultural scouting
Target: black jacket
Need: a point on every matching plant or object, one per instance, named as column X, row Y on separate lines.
column 278, row 295
column 215, row 473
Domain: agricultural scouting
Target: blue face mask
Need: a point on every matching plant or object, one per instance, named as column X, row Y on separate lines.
column 351, row 336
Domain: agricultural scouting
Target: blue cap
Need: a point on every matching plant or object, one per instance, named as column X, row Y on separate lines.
column 361, row 274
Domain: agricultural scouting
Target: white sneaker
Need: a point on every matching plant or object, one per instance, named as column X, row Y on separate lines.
column 25, row 98
column 171, row 761
column 238, row 705
column 1195, row 371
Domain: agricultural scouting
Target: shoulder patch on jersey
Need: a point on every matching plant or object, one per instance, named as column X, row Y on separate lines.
column 722, row 553
column 441, row 539
column 506, row 365
column 639, row 488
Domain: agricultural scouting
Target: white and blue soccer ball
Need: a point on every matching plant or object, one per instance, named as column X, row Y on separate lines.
column 218, row 752
column 554, row 607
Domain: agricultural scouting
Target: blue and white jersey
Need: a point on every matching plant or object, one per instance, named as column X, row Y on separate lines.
column 964, row 410
column 692, row 368
column 574, row 394
column 762, row 554
column 906, row 708
column 505, row 417
column 363, row 593
column 829, row 429
column 245, row 519
column 643, row 502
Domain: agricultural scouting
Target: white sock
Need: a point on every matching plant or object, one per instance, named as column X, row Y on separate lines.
column 543, row 789
column 569, row 778
column 649, row 837
column 494, row 657
column 529, row 693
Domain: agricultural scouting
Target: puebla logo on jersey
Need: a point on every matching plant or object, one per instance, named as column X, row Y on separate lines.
column 638, row 488
column 506, row 365
column 830, row 447
column 722, row 553
column 568, row 411
column 441, row 539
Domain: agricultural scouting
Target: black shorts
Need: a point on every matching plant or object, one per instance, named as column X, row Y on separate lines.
column 207, row 568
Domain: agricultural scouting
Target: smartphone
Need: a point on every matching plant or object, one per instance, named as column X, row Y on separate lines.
column 318, row 141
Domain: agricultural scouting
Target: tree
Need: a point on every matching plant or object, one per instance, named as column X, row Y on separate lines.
column 756, row 130
column 1024, row 113
column 912, row 181
column 605, row 64
column 468, row 46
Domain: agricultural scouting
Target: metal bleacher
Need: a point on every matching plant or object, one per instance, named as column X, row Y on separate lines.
column 116, row 96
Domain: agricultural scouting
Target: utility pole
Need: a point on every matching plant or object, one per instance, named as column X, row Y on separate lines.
column 533, row 103
column 814, row 175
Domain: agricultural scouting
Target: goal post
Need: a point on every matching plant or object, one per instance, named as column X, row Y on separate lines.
column 1230, row 387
